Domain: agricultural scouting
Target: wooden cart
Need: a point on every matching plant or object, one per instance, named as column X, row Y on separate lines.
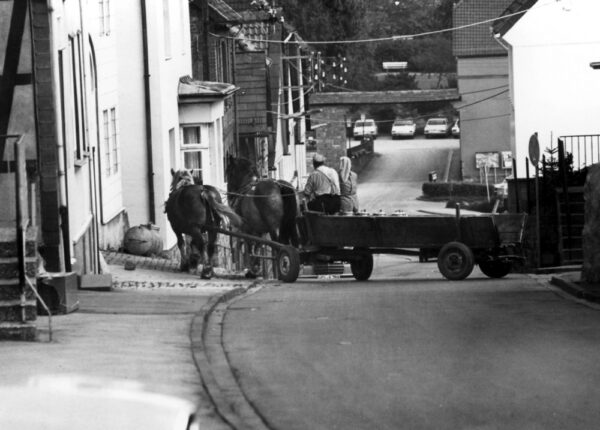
column 493, row 241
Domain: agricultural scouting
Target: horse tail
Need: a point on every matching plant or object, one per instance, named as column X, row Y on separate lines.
column 219, row 208
column 225, row 210
column 287, row 230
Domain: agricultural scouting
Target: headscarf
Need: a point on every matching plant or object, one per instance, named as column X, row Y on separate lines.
column 318, row 158
column 345, row 166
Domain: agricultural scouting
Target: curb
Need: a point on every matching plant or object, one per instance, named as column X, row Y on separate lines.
column 575, row 290
column 210, row 359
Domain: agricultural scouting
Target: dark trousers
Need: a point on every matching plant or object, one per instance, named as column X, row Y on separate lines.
column 328, row 203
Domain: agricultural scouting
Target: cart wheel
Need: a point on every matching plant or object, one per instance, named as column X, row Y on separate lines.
column 362, row 265
column 495, row 268
column 456, row 261
column 288, row 264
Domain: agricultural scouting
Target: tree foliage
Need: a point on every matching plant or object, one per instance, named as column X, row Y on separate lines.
column 331, row 20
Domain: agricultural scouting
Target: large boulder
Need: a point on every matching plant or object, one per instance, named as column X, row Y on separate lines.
column 591, row 230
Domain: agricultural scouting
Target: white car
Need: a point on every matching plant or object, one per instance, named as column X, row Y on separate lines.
column 437, row 127
column 456, row 129
column 403, row 128
column 363, row 128
column 75, row 402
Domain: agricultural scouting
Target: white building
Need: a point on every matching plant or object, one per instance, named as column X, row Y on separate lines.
column 147, row 127
column 553, row 89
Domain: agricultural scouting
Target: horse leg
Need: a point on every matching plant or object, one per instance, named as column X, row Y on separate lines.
column 198, row 243
column 207, row 270
column 183, row 255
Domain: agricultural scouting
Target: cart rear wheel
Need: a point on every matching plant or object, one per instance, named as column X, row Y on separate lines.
column 362, row 265
column 288, row 264
column 456, row 261
column 495, row 268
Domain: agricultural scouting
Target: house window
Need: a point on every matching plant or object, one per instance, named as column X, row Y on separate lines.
column 104, row 14
column 77, row 93
column 194, row 151
column 110, row 157
column 167, row 28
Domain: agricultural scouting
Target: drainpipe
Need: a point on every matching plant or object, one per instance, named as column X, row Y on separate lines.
column 148, row 118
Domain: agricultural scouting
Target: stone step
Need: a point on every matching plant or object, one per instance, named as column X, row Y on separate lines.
column 18, row 331
column 8, row 242
column 9, row 267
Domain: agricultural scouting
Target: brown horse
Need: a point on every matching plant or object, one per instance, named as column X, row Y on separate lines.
column 193, row 209
column 266, row 205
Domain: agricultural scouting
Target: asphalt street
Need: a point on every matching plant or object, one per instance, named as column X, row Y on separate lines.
column 410, row 350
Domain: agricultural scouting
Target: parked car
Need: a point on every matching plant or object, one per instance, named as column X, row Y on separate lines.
column 363, row 128
column 437, row 127
column 403, row 128
column 456, row 128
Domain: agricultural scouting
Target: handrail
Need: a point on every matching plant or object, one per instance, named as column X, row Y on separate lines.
column 46, row 308
column 22, row 223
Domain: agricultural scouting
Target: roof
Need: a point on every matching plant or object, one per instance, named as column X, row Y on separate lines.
column 223, row 11
column 503, row 26
column 191, row 89
column 478, row 40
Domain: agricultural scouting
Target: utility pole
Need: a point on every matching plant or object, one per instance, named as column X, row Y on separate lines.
column 205, row 48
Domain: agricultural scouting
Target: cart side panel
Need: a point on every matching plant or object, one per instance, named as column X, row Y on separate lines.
column 510, row 227
column 326, row 230
column 380, row 232
column 416, row 231
column 478, row 231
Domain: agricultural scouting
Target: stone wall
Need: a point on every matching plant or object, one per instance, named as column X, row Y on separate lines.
column 591, row 229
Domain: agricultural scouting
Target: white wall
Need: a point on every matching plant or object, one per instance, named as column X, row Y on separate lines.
column 164, row 71
column 555, row 92
column 67, row 25
column 130, row 69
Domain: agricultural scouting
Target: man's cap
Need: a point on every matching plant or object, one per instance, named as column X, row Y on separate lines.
column 318, row 158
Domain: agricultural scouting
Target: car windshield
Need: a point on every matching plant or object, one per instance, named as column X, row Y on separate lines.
column 404, row 122
column 436, row 122
column 364, row 123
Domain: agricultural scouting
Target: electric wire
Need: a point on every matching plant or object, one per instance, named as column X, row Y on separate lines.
column 388, row 38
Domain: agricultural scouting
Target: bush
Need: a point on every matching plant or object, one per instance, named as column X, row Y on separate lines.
column 456, row 189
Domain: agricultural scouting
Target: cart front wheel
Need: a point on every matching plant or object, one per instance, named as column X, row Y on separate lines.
column 362, row 265
column 495, row 268
column 456, row 261
column 288, row 264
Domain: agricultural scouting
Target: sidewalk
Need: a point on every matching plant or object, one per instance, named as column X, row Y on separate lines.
column 141, row 330
column 570, row 283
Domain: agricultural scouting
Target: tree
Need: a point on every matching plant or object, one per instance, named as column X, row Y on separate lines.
column 318, row 20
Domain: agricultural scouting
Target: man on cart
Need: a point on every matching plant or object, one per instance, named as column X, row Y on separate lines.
column 322, row 189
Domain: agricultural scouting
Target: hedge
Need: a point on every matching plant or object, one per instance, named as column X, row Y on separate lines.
column 456, row 189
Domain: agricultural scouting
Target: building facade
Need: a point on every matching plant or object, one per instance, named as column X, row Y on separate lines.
column 553, row 88
column 482, row 72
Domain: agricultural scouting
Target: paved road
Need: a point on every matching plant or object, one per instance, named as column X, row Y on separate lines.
column 394, row 177
column 411, row 350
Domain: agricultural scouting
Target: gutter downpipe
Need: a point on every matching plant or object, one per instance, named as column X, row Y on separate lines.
column 148, row 118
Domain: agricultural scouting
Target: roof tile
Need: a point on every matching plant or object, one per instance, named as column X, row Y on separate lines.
column 477, row 40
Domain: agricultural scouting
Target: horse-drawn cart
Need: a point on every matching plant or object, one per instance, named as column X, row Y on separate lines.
column 493, row 241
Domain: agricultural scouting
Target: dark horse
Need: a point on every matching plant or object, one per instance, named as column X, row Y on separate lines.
column 193, row 209
column 266, row 205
